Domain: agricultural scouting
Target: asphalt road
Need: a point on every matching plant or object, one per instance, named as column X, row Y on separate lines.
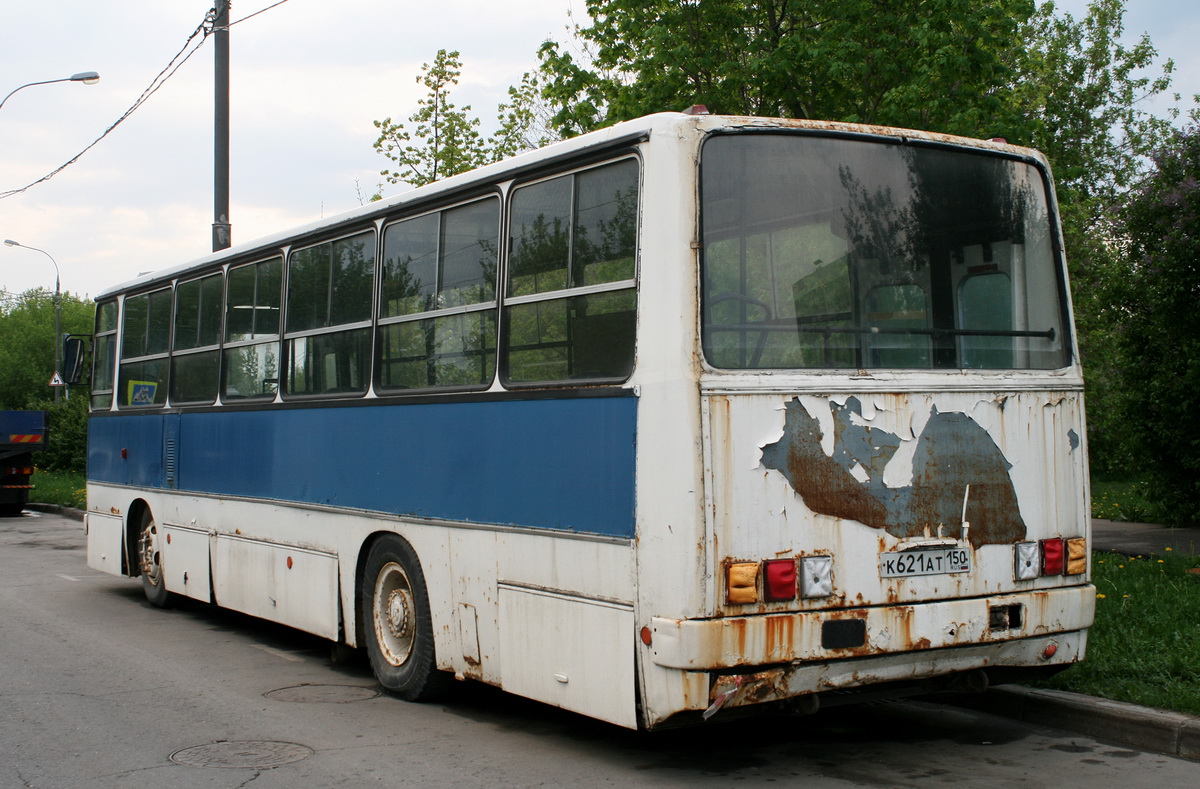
column 98, row 689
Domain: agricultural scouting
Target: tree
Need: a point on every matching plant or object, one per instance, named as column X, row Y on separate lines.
column 1159, row 341
column 1084, row 93
column 27, row 352
column 935, row 64
column 27, row 363
column 448, row 138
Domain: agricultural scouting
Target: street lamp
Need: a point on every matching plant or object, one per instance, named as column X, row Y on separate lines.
column 8, row 242
column 86, row 77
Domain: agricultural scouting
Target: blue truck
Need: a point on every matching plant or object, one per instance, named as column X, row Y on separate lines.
column 21, row 434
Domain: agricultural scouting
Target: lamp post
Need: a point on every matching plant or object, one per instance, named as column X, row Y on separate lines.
column 8, row 242
column 86, row 77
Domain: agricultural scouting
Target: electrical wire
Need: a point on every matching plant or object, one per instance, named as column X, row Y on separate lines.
column 204, row 29
column 256, row 13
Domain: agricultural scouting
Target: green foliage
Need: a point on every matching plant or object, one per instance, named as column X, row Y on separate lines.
column 27, row 351
column 1085, row 92
column 1159, row 333
column 67, row 423
column 1142, row 648
column 448, row 140
column 944, row 65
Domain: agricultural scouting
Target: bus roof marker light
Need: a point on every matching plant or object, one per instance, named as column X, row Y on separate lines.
column 697, row 109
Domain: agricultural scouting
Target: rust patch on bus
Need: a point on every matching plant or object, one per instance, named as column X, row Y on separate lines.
column 956, row 465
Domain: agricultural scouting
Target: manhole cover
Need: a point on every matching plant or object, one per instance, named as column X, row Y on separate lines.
column 329, row 694
column 257, row 754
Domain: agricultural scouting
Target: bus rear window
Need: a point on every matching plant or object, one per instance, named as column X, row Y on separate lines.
column 837, row 253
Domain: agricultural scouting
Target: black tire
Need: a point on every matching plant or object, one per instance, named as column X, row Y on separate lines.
column 149, row 558
column 396, row 622
column 11, row 509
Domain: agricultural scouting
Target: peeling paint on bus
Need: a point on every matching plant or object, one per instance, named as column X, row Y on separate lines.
column 957, row 470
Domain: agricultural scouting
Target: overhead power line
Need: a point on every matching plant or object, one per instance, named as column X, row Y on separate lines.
column 185, row 52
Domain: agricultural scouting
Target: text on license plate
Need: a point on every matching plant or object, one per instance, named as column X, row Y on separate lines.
column 930, row 561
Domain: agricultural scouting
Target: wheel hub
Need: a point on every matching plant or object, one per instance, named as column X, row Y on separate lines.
column 395, row 614
column 399, row 606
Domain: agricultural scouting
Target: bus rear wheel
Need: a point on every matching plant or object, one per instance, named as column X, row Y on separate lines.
column 149, row 556
column 397, row 623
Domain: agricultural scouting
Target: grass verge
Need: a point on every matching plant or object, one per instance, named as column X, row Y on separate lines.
column 65, row 488
column 1121, row 500
column 1144, row 647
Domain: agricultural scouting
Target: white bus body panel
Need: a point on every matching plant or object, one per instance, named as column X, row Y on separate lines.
column 105, row 543
column 188, row 573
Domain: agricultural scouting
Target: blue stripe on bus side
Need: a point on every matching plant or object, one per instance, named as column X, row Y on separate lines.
column 560, row 464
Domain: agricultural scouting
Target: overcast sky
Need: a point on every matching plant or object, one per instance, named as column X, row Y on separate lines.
column 308, row 79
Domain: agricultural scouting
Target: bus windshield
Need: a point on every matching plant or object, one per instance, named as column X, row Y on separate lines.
column 826, row 252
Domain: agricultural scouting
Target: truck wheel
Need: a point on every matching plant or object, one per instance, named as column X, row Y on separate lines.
column 397, row 624
column 150, row 562
column 11, row 509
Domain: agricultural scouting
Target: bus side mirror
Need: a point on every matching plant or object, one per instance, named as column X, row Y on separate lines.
column 73, row 351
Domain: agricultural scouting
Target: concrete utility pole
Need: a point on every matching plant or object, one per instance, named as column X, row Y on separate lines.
column 222, row 230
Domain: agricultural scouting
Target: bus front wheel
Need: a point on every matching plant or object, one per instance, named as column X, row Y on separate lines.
column 397, row 624
column 149, row 553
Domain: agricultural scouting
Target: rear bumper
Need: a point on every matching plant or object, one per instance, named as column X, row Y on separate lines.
column 774, row 639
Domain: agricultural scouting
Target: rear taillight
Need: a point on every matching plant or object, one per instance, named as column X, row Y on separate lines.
column 1050, row 557
column 778, row 580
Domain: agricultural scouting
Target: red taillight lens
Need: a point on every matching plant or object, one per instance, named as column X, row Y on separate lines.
column 779, row 579
column 1052, row 556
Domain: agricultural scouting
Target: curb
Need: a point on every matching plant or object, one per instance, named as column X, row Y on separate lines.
column 1172, row 733
column 56, row 509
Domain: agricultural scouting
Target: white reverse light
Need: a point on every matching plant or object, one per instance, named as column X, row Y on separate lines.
column 816, row 576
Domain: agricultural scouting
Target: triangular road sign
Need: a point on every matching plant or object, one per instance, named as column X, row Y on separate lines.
column 57, row 380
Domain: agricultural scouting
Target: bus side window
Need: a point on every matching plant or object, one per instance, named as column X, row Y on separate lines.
column 195, row 359
column 102, row 358
column 328, row 330
column 251, row 355
column 567, row 233
column 145, row 340
column 438, row 299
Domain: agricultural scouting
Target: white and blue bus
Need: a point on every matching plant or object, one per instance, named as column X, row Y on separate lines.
column 692, row 415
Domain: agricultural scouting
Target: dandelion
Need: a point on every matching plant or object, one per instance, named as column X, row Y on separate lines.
column 1120, row 567
column 1160, row 561
column 1170, row 549
column 1101, row 596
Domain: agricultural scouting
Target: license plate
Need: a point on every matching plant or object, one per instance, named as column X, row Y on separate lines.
column 928, row 561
